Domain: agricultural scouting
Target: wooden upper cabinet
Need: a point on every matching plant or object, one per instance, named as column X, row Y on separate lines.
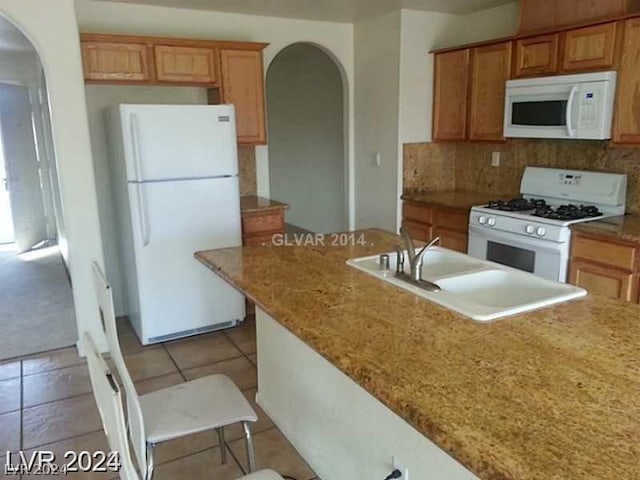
column 179, row 64
column 450, row 95
column 537, row 55
column 116, row 62
column 626, row 125
column 537, row 15
column 490, row 69
column 591, row 47
column 243, row 86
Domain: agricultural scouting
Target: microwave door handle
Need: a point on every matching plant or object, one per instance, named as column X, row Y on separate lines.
column 571, row 132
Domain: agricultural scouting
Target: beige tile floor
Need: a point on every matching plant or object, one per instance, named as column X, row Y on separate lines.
column 46, row 404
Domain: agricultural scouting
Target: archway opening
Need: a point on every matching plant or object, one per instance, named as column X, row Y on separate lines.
column 306, row 126
column 34, row 285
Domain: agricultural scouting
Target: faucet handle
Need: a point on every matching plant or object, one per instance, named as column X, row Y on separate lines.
column 399, row 259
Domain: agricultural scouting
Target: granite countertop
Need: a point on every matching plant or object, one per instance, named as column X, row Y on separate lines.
column 254, row 203
column 624, row 227
column 452, row 198
column 550, row 394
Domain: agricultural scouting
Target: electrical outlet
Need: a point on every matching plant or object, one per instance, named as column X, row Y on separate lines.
column 397, row 465
column 495, row 159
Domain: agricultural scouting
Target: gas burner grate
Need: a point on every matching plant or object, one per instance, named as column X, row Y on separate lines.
column 567, row 212
column 516, row 204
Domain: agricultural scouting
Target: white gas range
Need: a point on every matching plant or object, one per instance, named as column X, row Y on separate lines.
column 532, row 232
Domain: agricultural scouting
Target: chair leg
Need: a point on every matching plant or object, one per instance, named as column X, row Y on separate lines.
column 223, row 443
column 150, row 465
column 250, row 453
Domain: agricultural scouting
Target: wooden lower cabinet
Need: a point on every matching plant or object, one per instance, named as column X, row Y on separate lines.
column 451, row 239
column 425, row 222
column 258, row 228
column 602, row 280
column 605, row 267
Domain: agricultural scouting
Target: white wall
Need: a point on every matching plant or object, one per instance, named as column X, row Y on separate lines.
column 377, row 65
column 336, row 38
column 52, row 29
column 306, row 138
column 99, row 98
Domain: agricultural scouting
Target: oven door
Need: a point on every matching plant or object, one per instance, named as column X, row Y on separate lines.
column 540, row 257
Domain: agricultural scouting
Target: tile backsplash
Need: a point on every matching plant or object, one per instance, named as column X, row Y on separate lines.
column 247, row 170
column 467, row 166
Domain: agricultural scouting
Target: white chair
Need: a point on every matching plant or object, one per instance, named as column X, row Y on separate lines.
column 207, row 403
column 109, row 400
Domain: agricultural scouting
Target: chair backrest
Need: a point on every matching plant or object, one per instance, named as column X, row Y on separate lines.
column 134, row 411
column 109, row 400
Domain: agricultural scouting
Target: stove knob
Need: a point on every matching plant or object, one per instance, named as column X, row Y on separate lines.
column 541, row 231
column 491, row 222
column 529, row 229
column 482, row 219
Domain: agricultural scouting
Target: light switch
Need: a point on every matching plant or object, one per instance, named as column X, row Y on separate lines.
column 378, row 159
column 495, row 159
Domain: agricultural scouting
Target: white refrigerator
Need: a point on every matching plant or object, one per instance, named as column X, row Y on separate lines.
column 175, row 183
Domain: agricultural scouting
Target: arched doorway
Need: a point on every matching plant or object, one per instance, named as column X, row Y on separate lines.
column 35, row 293
column 306, row 127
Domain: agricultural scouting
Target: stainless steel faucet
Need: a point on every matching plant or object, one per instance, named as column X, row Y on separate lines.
column 415, row 261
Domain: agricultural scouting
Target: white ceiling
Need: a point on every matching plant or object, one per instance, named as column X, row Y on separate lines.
column 325, row 10
column 11, row 39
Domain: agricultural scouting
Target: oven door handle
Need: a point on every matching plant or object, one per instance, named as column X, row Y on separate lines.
column 514, row 240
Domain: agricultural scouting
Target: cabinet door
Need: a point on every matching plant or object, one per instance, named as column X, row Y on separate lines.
column 243, row 86
column 450, row 95
column 491, row 68
column 451, row 239
column 590, row 47
column 115, row 61
column 626, row 126
column 602, row 280
column 537, row 55
column 185, row 64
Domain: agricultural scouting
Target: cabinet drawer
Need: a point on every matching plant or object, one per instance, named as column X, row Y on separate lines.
column 605, row 281
column 417, row 213
column 590, row 47
column 450, row 219
column 613, row 254
column 537, row 55
column 419, row 231
column 255, row 224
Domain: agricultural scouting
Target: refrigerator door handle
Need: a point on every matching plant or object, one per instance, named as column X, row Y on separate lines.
column 135, row 138
column 142, row 213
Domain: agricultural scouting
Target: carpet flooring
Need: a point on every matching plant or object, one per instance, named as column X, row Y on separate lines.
column 36, row 304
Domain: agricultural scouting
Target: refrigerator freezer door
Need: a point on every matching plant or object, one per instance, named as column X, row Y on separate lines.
column 170, row 222
column 166, row 142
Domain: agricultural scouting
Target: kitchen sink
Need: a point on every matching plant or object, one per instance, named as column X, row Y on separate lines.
column 481, row 290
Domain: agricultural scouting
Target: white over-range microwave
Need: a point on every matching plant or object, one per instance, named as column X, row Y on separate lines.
column 563, row 106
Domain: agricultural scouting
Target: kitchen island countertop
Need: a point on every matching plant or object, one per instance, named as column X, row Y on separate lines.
column 550, row 394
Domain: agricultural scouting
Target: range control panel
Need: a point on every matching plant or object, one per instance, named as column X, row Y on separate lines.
column 569, row 178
